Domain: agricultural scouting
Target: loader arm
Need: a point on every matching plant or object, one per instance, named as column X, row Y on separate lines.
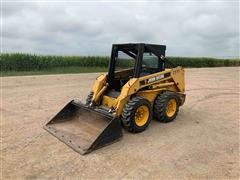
column 170, row 79
column 99, row 87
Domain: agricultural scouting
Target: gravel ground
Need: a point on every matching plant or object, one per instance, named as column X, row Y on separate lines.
column 202, row 143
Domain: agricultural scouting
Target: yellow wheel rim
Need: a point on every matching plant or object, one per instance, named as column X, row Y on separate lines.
column 141, row 115
column 171, row 107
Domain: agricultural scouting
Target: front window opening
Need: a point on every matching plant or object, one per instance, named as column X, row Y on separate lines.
column 124, row 69
column 124, row 61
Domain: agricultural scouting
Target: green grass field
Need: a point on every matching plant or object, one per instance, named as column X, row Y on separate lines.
column 57, row 70
column 19, row 64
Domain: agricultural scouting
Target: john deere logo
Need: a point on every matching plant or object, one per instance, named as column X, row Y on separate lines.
column 155, row 78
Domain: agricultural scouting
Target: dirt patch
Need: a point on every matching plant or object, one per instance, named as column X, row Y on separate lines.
column 203, row 142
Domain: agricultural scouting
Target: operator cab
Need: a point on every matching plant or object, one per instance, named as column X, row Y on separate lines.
column 134, row 61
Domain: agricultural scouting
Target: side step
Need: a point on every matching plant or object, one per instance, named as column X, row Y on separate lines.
column 84, row 129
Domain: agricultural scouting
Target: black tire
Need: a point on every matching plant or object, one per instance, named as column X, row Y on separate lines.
column 161, row 104
column 89, row 98
column 129, row 112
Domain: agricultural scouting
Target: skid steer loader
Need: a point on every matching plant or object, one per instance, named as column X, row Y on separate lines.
column 137, row 88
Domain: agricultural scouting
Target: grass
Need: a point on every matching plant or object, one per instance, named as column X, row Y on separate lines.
column 57, row 70
column 19, row 64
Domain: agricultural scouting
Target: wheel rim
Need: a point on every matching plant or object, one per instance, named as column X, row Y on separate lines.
column 141, row 115
column 171, row 107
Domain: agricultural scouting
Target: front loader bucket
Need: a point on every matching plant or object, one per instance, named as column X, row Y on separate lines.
column 84, row 129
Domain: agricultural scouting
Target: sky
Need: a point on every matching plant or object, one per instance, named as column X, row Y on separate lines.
column 187, row 28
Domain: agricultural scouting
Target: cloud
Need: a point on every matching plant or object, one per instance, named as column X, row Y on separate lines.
column 187, row 28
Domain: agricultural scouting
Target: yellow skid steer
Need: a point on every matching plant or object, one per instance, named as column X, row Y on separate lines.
column 137, row 88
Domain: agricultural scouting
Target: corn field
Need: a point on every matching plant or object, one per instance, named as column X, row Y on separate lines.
column 30, row 62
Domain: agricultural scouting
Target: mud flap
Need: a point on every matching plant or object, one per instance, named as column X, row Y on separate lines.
column 84, row 129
